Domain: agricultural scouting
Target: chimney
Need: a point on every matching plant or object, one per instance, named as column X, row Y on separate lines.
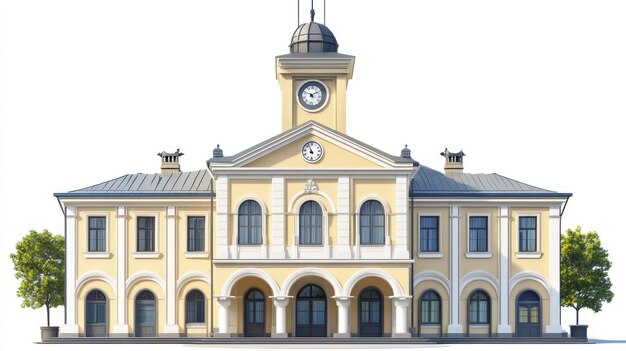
column 169, row 161
column 454, row 161
column 406, row 152
column 217, row 152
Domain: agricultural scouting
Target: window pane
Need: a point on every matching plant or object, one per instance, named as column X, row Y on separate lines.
column 478, row 234
column 528, row 234
column 429, row 234
column 523, row 314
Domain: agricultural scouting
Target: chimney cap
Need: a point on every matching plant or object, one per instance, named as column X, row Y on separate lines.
column 454, row 161
column 217, row 152
column 169, row 161
column 406, row 152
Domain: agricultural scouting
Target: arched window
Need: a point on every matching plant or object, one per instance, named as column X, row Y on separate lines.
column 479, row 308
column 371, row 314
column 372, row 223
column 96, row 314
column 311, row 311
column 250, row 225
column 254, row 313
column 310, row 223
column 145, row 314
column 194, row 307
column 430, row 308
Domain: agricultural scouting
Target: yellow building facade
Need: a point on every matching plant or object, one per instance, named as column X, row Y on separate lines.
column 312, row 233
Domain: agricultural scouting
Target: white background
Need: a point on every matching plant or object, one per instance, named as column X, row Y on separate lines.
column 92, row 90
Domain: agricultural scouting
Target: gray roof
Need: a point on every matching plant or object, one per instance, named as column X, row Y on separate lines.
column 196, row 183
column 430, row 183
column 397, row 159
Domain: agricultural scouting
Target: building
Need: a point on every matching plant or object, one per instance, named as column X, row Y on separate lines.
column 312, row 233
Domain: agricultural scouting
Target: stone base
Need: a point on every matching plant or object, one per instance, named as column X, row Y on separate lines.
column 401, row 335
column 68, row 331
column 170, row 331
column 504, row 331
column 280, row 335
column 341, row 335
column 120, row 331
column 221, row 335
column 455, row 330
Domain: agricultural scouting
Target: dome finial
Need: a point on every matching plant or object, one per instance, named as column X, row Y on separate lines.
column 312, row 12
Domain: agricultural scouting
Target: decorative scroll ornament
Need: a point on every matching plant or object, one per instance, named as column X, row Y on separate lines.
column 310, row 187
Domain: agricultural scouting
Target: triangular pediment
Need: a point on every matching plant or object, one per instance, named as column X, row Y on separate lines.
column 340, row 151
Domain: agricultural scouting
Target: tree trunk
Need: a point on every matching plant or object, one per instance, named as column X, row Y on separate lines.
column 578, row 309
column 48, row 313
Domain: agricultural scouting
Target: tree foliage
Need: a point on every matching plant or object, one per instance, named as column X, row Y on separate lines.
column 39, row 263
column 585, row 265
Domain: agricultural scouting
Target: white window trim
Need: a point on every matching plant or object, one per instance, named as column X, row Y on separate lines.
column 205, row 252
column 429, row 254
column 480, row 254
column 107, row 235
column 235, row 220
column 532, row 254
column 324, row 223
column 386, row 234
column 147, row 254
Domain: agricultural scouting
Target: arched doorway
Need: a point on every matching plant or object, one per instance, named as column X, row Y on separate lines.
column 96, row 314
column 254, row 313
column 528, row 314
column 370, row 312
column 311, row 311
column 145, row 314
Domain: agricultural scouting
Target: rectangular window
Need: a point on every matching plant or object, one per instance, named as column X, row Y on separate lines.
column 195, row 234
column 145, row 234
column 478, row 234
column 429, row 234
column 528, row 234
column 97, row 234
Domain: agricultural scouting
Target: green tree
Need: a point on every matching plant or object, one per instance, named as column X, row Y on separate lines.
column 585, row 281
column 39, row 263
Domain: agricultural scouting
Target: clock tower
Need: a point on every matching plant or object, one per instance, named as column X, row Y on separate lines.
column 313, row 78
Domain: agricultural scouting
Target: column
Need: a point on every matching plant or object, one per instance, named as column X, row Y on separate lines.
column 171, row 327
column 554, row 328
column 343, row 317
column 401, row 304
column 401, row 249
column 280, row 306
column 504, row 328
column 221, row 204
column 120, row 329
column 342, row 247
column 455, row 328
column 222, row 317
column 277, row 249
column 70, row 328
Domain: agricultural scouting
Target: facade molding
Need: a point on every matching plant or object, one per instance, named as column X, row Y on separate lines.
column 311, row 271
column 373, row 272
column 250, row 272
column 145, row 275
column 432, row 276
column 479, row 276
column 303, row 196
column 192, row 276
column 96, row 275
column 527, row 275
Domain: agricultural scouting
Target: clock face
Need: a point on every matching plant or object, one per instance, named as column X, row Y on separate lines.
column 312, row 151
column 312, row 95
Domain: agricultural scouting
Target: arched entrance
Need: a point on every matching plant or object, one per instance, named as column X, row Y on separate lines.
column 145, row 314
column 96, row 314
column 311, row 314
column 371, row 312
column 254, row 313
column 528, row 314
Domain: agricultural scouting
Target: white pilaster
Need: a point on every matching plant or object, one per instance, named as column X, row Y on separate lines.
column 504, row 328
column 70, row 328
column 280, row 305
column 121, row 329
column 221, row 204
column 171, row 328
column 401, row 304
column 554, row 327
column 401, row 249
column 222, row 317
column 343, row 316
column 277, row 249
column 342, row 247
column 455, row 327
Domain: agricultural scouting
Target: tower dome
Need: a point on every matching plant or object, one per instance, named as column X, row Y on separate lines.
column 313, row 37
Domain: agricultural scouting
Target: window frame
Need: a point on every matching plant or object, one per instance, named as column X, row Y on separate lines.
column 429, row 254
column 107, row 235
column 370, row 215
column 479, row 254
column 196, row 237
column 261, row 215
column 146, row 254
column 528, row 254
column 489, row 309
column 430, row 301
column 204, row 308
column 196, row 254
column 322, row 225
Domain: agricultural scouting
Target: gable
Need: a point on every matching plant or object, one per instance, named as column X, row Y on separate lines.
column 335, row 156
